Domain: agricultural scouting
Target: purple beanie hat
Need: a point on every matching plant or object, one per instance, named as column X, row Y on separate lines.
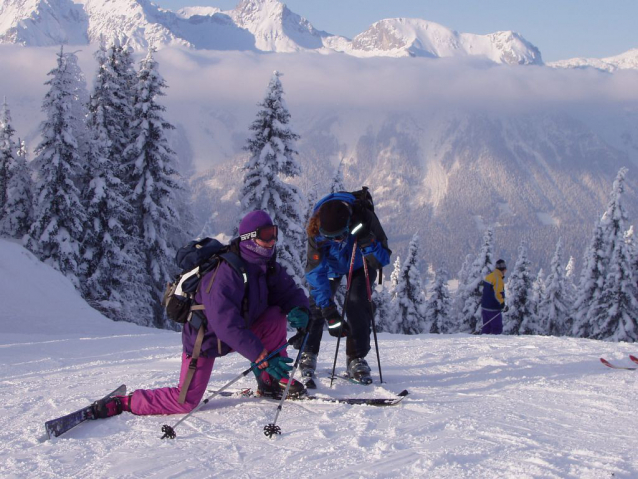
column 250, row 250
column 254, row 220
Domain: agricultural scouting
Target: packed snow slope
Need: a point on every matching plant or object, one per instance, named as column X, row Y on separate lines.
column 479, row 407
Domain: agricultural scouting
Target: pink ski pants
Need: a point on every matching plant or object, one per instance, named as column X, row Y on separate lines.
column 270, row 327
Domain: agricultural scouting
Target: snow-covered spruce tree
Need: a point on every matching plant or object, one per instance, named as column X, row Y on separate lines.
column 115, row 278
column 394, row 276
column 614, row 315
column 59, row 216
column 472, row 291
column 150, row 163
column 616, row 311
column 118, row 80
column 7, row 158
column 570, row 290
column 458, row 300
column 409, row 299
column 554, row 309
column 384, row 310
column 632, row 243
column 519, row 293
column 606, row 237
column 272, row 151
column 392, row 319
column 337, row 181
column 19, row 205
column 590, row 287
column 531, row 324
column 439, row 305
column 79, row 107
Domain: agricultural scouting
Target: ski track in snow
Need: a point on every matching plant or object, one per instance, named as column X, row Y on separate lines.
column 478, row 407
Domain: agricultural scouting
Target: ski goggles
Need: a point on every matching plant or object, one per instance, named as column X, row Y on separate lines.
column 264, row 233
column 336, row 235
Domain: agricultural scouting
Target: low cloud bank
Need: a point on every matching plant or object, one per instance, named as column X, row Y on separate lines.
column 214, row 94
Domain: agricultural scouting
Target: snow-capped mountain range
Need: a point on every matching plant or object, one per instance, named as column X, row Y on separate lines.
column 624, row 61
column 253, row 25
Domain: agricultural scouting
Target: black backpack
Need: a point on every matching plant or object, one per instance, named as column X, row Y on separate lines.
column 363, row 198
column 195, row 260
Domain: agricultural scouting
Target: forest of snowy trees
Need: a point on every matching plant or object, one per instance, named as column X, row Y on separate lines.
column 102, row 202
column 602, row 304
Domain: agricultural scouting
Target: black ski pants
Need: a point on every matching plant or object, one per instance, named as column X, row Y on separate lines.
column 358, row 314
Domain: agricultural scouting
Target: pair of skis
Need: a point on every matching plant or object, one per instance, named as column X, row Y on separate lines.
column 56, row 427
column 626, row 368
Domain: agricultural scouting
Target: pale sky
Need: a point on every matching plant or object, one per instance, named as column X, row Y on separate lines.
column 561, row 29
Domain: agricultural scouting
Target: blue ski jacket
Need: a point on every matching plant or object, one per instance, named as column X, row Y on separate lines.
column 331, row 259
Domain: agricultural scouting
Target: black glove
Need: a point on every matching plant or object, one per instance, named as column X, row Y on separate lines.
column 505, row 309
column 364, row 236
column 335, row 324
column 367, row 240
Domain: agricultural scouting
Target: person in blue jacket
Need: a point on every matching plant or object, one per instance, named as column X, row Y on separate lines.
column 340, row 224
column 493, row 300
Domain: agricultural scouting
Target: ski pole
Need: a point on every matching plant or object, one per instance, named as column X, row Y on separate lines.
column 492, row 319
column 169, row 432
column 374, row 325
column 343, row 311
column 271, row 429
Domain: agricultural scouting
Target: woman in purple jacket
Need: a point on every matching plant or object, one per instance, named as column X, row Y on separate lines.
column 273, row 297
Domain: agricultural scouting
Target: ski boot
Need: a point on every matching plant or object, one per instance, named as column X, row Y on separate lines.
column 308, row 364
column 111, row 406
column 270, row 388
column 359, row 371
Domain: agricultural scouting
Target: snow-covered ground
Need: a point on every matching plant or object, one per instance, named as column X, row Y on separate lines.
column 479, row 407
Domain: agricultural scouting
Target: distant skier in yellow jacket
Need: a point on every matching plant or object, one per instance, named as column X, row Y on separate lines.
column 493, row 301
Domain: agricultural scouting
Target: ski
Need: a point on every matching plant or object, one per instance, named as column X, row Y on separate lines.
column 56, row 427
column 345, row 377
column 633, row 358
column 249, row 393
column 613, row 366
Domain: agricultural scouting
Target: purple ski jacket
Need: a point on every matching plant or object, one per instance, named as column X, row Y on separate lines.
column 226, row 328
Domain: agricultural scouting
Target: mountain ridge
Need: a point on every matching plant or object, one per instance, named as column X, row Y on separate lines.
column 253, row 25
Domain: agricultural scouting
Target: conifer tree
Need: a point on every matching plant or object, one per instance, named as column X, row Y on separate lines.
column 472, row 291
column 115, row 279
column 590, row 286
column 553, row 309
column 59, row 216
column 458, row 299
column 272, row 156
column 394, row 276
column 388, row 317
column 79, row 107
column 7, row 158
column 19, row 206
column 531, row 324
column 570, row 291
column 337, row 181
column 519, row 293
column 614, row 315
column 150, row 163
column 384, row 311
column 119, row 82
column 616, row 312
column 410, row 300
column 438, row 307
